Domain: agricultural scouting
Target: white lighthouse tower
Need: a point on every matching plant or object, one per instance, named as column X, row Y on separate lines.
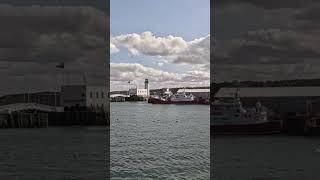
column 146, row 86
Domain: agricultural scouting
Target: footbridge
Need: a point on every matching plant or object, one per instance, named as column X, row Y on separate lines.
column 29, row 106
column 118, row 95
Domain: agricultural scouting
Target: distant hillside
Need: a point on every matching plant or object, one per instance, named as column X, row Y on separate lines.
column 118, row 92
column 159, row 91
column 174, row 90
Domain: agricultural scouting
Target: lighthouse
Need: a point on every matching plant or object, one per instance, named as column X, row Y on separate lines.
column 146, row 86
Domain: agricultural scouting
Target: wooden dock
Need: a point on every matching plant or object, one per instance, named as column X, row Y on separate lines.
column 32, row 115
column 24, row 120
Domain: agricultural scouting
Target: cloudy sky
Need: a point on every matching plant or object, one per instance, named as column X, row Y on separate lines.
column 34, row 39
column 265, row 40
column 165, row 41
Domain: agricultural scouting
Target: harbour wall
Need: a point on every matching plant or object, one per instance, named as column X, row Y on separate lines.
column 36, row 119
column 78, row 118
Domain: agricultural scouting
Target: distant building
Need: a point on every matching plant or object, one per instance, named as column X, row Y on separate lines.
column 166, row 92
column 283, row 100
column 73, row 95
column 199, row 93
column 138, row 92
column 95, row 97
column 146, row 86
column 161, row 92
column 141, row 92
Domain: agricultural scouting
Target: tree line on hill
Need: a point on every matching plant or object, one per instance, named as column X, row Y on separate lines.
column 279, row 83
column 175, row 90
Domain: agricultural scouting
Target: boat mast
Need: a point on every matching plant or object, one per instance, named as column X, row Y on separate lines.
column 237, row 95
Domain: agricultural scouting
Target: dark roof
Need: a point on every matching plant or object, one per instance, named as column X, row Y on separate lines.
column 313, row 91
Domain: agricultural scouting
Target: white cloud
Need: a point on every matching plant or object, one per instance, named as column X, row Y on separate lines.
column 34, row 39
column 147, row 43
column 160, row 64
column 167, row 50
column 121, row 73
column 197, row 52
column 175, row 49
column 113, row 48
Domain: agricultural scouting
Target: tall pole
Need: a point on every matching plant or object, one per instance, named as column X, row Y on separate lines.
column 62, row 78
column 55, row 92
column 25, row 91
column 85, row 78
column 136, row 88
column 134, row 85
column 60, row 66
column 27, row 87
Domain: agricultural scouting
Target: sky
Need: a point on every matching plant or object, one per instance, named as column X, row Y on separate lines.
column 34, row 39
column 265, row 40
column 165, row 41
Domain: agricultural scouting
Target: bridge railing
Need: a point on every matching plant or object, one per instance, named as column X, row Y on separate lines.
column 29, row 106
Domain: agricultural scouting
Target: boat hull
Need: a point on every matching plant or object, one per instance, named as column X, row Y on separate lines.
column 270, row 127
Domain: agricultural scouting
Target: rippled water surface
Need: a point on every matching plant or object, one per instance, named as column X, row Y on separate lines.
column 55, row 153
column 265, row 158
column 159, row 141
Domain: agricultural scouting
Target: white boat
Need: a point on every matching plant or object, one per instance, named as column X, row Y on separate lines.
column 182, row 97
column 232, row 117
column 179, row 98
column 234, row 113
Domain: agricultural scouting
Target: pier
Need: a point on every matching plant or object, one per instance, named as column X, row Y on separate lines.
column 25, row 115
column 118, row 97
column 33, row 115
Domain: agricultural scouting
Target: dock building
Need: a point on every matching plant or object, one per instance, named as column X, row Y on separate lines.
column 141, row 92
column 94, row 97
